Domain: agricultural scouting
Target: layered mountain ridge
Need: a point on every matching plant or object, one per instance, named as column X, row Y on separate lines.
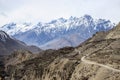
column 9, row 44
column 58, row 33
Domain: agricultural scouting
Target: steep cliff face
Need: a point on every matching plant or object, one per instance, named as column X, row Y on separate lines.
column 95, row 59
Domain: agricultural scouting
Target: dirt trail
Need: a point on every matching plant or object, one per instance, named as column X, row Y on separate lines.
column 98, row 64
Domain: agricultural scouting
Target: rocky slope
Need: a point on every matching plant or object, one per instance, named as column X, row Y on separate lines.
column 9, row 44
column 58, row 33
column 95, row 59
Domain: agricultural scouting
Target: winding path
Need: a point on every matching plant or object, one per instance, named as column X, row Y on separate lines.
column 98, row 64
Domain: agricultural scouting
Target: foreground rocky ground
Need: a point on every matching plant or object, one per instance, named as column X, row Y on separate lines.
column 66, row 64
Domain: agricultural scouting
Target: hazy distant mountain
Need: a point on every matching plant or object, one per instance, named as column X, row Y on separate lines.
column 58, row 33
column 9, row 44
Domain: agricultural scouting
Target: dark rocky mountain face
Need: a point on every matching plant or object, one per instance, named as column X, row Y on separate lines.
column 9, row 44
column 98, row 58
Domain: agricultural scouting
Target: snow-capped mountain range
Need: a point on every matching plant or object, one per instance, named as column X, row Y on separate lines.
column 58, row 33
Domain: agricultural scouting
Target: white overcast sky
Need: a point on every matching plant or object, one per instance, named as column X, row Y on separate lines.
column 46, row 10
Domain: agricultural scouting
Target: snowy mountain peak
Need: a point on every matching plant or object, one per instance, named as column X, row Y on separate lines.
column 9, row 26
column 60, row 20
column 88, row 17
column 3, row 36
column 27, row 24
column 39, row 24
